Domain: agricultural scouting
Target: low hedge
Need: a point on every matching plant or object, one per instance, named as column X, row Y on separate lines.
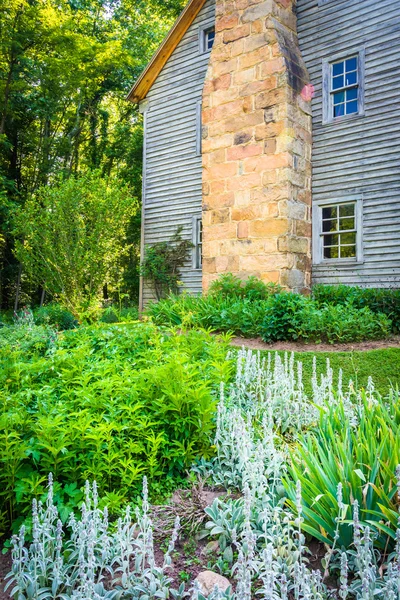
column 386, row 301
column 255, row 309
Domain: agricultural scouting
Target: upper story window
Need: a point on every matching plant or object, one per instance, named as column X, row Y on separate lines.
column 343, row 87
column 207, row 39
column 337, row 231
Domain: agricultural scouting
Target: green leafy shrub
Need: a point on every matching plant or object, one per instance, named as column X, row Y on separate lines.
column 55, row 315
column 238, row 315
column 71, row 238
column 26, row 341
column 109, row 316
column 230, row 286
column 282, row 317
column 162, row 263
column 386, row 301
column 358, row 448
column 129, row 313
column 339, row 324
column 112, row 403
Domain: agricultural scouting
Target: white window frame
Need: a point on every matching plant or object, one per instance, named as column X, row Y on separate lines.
column 203, row 31
column 197, row 241
column 327, row 92
column 318, row 250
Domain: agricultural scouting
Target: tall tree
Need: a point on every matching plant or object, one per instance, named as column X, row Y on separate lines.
column 65, row 69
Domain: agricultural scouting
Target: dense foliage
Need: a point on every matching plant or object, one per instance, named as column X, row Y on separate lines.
column 74, row 239
column 257, row 537
column 65, row 70
column 108, row 402
column 257, row 309
column 386, row 301
column 357, row 446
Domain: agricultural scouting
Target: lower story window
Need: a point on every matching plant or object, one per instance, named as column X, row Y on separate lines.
column 337, row 231
column 197, row 242
column 339, row 234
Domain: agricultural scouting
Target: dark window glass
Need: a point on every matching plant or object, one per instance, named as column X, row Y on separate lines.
column 346, row 210
column 338, row 231
column 338, row 68
column 351, row 64
column 332, row 252
column 332, row 240
column 209, row 38
column 338, row 82
column 345, row 77
column 351, row 78
column 352, row 94
column 351, row 107
column 339, row 110
column 347, row 252
column 348, row 238
column 338, row 98
column 329, row 225
column 329, row 212
column 346, row 223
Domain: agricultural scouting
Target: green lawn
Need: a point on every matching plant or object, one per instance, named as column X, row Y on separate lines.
column 382, row 365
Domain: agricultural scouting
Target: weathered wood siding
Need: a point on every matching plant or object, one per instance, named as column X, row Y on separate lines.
column 360, row 156
column 173, row 166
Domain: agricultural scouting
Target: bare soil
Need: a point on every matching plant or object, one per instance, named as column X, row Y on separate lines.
column 258, row 344
column 5, row 567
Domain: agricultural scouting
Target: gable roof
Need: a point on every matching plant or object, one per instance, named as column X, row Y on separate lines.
column 142, row 86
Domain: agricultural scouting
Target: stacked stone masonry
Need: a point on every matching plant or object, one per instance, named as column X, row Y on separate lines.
column 257, row 147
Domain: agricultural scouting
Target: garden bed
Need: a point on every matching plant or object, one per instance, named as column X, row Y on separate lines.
column 299, row 464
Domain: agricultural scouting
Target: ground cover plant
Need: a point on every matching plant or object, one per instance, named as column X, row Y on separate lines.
column 106, row 402
column 263, row 530
column 255, row 309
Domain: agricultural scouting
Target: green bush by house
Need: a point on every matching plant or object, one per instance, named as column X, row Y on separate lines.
column 256, row 309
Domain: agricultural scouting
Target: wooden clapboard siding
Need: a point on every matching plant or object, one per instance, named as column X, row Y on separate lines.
column 173, row 168
column 360, row 156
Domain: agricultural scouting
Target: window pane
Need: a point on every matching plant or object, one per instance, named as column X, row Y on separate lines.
column 330, row 225
column 351, row 107
column 338, row 68
column 348, row 252
column 352, row 94
column 338, row 98
column 346, row 223
column 338, row 82
column 209, row 38
column 331, row 252
column 330, row 212
column 348, row 238
column 331, row 240
column 346, row 210
column 351, row 78
column 351, row 64
column 338, row 110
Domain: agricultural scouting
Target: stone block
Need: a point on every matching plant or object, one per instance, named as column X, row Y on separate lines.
column 243, row 230
column 241, row 152
column 262, row 228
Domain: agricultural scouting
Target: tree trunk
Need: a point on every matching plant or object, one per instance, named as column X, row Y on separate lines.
column 18, row 288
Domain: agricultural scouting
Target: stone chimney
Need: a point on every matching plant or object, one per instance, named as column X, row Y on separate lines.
column 257, row 147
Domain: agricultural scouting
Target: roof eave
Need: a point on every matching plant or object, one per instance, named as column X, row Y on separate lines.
column 143, row 85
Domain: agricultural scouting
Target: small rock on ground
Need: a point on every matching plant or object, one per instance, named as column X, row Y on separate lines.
column 207, row 580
